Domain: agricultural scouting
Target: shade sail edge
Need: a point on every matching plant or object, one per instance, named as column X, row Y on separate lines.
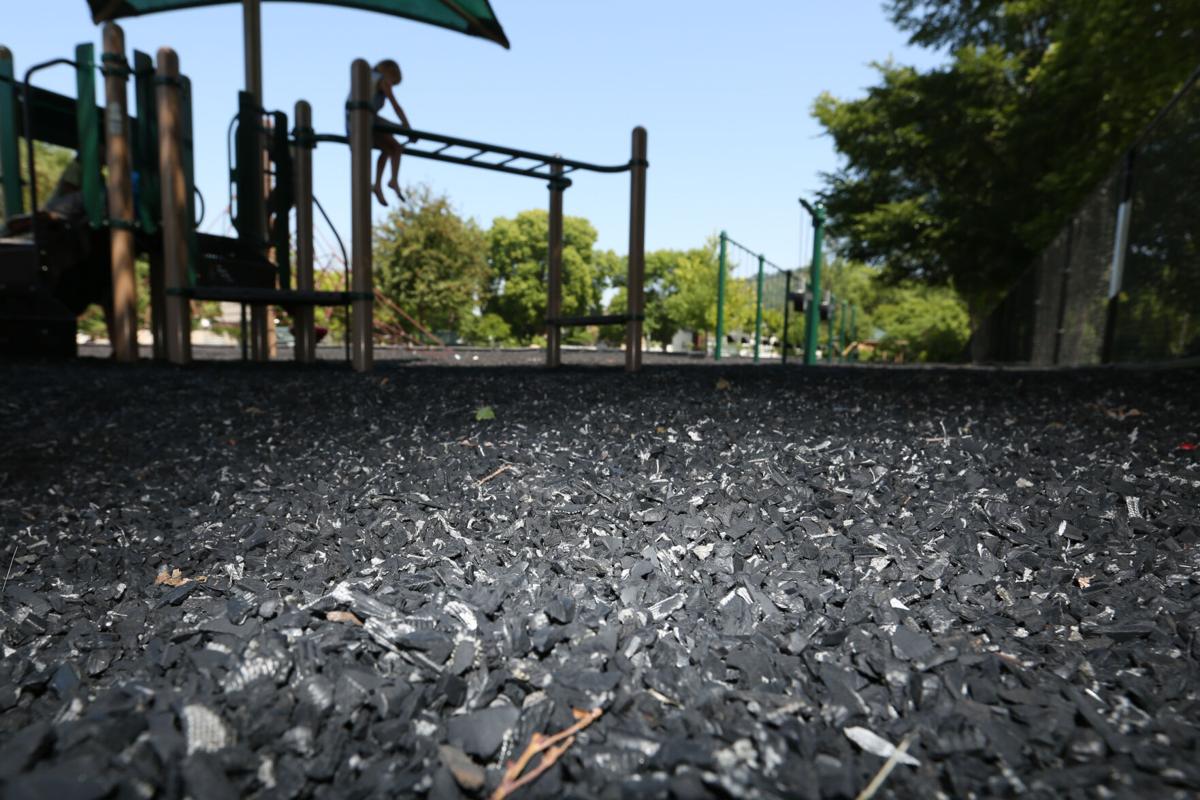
column 481, row 25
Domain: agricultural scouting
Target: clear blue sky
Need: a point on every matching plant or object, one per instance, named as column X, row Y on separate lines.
column 724, row 90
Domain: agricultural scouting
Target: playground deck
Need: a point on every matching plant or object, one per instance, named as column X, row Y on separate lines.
column 749, row 570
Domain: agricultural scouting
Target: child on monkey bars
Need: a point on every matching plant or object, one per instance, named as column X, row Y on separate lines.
column 384, row 76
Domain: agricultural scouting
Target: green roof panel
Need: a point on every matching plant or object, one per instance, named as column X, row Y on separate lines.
column 472, row 17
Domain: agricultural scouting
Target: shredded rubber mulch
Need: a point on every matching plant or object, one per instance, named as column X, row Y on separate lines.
column 286, row 582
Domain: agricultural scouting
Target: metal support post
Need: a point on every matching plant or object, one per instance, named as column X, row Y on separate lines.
column 554, row 254
column 842, row 331
column 252, row 47
column 123, row 328
column 829, row 327
column 758, row 311
column 722, row 266
column 361, row 120
column 10, row 169
column 174, row 208
column 787, row 308
column 637, row 252
column 813, row 320
column 262, row 325
column 306, row 334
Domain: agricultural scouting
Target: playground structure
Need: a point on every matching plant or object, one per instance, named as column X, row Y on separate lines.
column 47, row 279
column 273, row 176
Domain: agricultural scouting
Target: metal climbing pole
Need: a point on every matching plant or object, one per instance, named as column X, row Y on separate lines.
column 829, row 328
column 787, row 307
column 813, row 320
column 758, row 311
column 721, row 267
column 842, row 331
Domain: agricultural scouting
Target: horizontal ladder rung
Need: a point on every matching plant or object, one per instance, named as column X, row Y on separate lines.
column 281, row 297
column 594, row 319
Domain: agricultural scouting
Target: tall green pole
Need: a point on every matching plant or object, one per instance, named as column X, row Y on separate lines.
column 842, row 332
column 720, row 299
column 787, row 306
column 10, row 159
column 829, row 327
column 758, row 311
column 812, row 322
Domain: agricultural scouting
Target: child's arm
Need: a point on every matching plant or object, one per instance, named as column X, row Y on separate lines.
column 396, row 106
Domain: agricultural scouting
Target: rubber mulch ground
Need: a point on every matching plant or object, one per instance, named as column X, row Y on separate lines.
column 285, row 582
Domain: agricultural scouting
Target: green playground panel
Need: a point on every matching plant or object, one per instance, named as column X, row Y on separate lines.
column 10, row 159
column 57, row 120
column 87, row 126
column 472, row 17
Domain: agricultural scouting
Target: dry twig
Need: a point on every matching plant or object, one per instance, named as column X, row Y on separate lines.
column 495, row 473
column 343, row 616
column 885, row 770
column 551, row 748
column 9, row 573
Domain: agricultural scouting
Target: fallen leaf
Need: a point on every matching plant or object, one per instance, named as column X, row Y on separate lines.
column 483, row 413
column 877, row 745
column 175, row 578
column 1084, row 581
column 723, row 385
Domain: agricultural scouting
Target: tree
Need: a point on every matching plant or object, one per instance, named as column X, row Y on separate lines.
column 517, row 254
column 51, row 160
column 681, row 294
column 960, row 174
column 430, row 262
column 692, row 305
column 487, row 329
column 659, row 283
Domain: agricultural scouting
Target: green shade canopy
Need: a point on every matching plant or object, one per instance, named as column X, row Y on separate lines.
column 472, row 17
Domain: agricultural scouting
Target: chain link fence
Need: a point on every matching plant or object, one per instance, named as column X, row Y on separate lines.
column 1121, row 280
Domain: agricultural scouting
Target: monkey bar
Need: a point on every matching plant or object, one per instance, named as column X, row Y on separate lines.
column 515, row 161
column 497, row 158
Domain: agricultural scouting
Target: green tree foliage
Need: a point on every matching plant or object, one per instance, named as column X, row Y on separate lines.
column 692, row 303
column 517, row 250
column 430, row 262
column 961, row 173
column 487, row 329
column 925, row 323
column 921, row 321
column 681, row 295
column 49, row 161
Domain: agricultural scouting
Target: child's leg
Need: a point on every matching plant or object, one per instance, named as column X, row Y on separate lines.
column 394, row 183
column 381, row 143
